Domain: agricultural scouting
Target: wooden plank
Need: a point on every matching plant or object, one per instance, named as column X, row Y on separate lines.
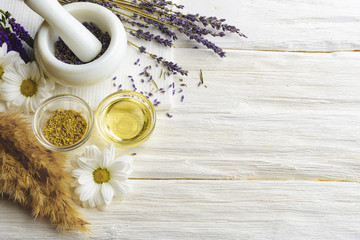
column 263, row 116
column 212, row 210
column 295, row 25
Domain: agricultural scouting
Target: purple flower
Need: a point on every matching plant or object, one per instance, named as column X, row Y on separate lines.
column 19, row 30
column 147, row 36
column 142, row 49
column 13, row 43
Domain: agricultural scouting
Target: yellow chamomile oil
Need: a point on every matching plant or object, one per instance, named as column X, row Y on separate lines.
column 126, row 121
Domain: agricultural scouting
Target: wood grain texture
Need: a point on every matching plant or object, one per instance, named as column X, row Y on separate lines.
column 262, row 116
column 260, row 153
column 212, row 210
column 293, row 25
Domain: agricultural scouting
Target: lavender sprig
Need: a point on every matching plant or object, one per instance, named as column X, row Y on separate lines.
column 165, row 16
column 172, row 67
column 13, row 35
column 20, row 30
column 13, row 43
column 147, row 36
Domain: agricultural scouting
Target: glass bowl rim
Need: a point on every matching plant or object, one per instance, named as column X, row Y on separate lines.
column 107, row 100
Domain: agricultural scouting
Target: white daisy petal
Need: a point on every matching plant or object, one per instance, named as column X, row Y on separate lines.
column 91, row 201
column 93, row 164
column 50, row 84
column 15, row 76
column 86, row 178
column 98, row 197
column 42, row 94
column 19, row 100
column 120, row 188
column 34, row 103
column 92, row 152
column 107, row 192
column 8, row 92
column 107, row 156
column 79, row 172
column 35, row 72
column 3, row 49
column 86, row 191
column 122, row 164
column 23, row 70
column 118, row 166
column 119, row 176
column 12, row 77
column 106, row 186
column 87, row 166
column 8, row 87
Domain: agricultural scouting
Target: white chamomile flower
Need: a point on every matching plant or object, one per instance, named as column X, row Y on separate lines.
column 7, row 59
column 25, row 86
column 100, row 176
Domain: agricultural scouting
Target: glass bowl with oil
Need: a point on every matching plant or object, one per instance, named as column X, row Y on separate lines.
column 126, row 119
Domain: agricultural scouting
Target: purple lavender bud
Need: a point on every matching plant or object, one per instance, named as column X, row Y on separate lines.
column 142, row 49
column 13, row 43
column 20, row 31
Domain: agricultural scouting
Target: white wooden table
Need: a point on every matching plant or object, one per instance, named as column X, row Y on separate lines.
column 270, row 150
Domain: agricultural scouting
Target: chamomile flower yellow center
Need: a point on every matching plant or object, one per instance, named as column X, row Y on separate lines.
column 101, row 175
column 28, row 88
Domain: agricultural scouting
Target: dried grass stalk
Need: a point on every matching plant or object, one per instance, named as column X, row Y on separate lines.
column 34, row 176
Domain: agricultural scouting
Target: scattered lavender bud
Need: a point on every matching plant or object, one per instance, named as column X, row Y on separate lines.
column 169, row 115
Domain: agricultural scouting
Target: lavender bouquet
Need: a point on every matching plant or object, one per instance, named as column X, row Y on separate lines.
column 140, row 16
column 13, row 34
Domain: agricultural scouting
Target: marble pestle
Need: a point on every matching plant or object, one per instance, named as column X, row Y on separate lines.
column 79, row 39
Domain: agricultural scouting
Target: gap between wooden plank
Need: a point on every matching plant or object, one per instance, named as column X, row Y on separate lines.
column 277, row 50
column 241, row 179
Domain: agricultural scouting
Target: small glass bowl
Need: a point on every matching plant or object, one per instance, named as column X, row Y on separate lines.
column 105, row 131
column 66, row 102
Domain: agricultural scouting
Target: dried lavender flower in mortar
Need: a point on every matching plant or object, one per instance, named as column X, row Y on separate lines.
column 64, row 54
